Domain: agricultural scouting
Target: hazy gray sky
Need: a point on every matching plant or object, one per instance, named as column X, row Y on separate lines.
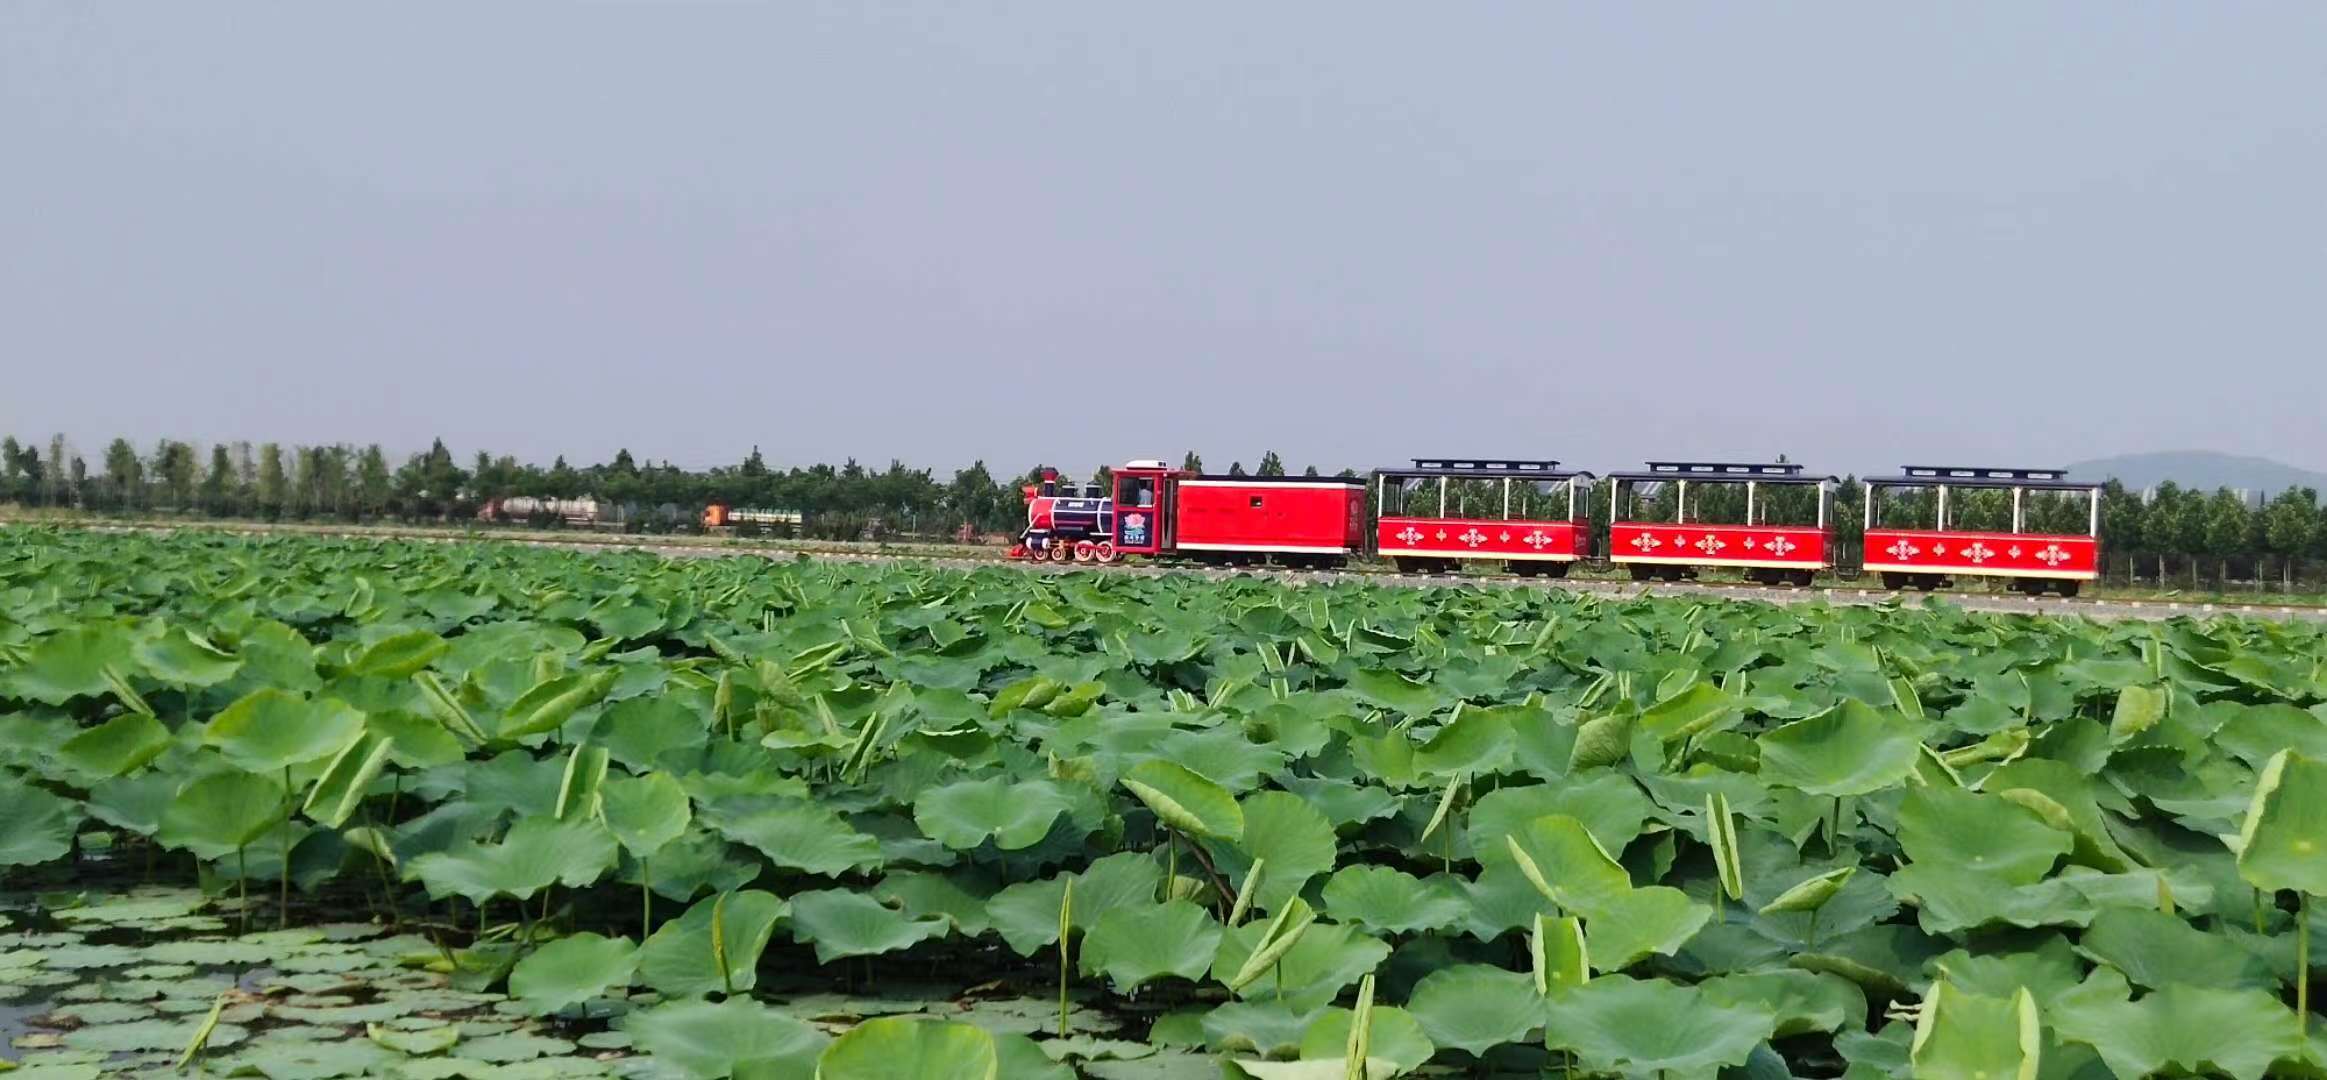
column 2012, row 232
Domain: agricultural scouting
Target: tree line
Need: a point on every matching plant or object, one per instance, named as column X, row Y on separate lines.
column 2170, row 535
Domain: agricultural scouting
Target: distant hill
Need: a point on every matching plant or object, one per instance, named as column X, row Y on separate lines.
column 2200, row 469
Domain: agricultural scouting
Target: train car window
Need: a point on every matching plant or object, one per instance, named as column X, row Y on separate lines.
column 1398, row 497
column 1717, row 504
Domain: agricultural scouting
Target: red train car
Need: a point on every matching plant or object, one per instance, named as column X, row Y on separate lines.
column 1772, row 553
column 2035, row 561
column 1439, row 512
column 1296, row 520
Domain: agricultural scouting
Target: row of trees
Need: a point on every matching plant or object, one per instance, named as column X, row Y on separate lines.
column 278, row 482
column 2167, row 535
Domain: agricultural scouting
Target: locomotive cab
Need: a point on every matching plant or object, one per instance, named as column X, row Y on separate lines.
column 1142, row 498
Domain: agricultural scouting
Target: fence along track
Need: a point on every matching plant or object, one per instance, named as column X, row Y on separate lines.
column 2091, row 608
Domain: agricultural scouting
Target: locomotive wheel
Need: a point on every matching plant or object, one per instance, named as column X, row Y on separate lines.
column 1085, row 551
column 1059, row 552
column 1103, row 551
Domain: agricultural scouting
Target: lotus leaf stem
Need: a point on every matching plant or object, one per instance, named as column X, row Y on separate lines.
column 242, row 884
column 286, row 875
column 2303, row 967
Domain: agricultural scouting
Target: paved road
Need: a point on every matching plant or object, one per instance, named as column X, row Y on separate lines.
column 2101, row 609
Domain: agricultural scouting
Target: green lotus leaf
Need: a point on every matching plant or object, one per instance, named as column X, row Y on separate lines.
column 1318, row 1069
column 965, row 814
column 1390, row 690
column 1477, row 741
column 415, row 742
column 1388, row 899
column 2156, row 950
column 1609, row 805
column 416, row 1043
column 1393, row 1036
column 1021, row 1057
column 585, row 770
column 2073, row 792
column 124, row 744
column 1475, row 1008
column 680, row 957
column 1953, row 900
column 398, row 656
column 1700, row 708
column 625, row 622
column 2184, row 1029
column 270, row 730
column 1321, row 961
column 341, row 789
column 1963, row 1036
column 1260, row 1027
column 1982, row 834
column 639, row 731
column 1812, row 893
column 1558, row 956
column 222, row 813
column 899, row 1046
column 35, row 826
column 804, row 837
column 842, row 923
column 645, row 812
column 1629, row 927
column 1802, row 1001
column 150, row 1035
column 2139, row 708
column 1026, row 914
column 1851, row 749
column 537, row 853
column 1186, row 800
column 1602, row 741
column 2257, row 732
column 178, row 657
column 71, row 663
column 959, row 899
column 1644, row 1026
column 1223, row 755
column 572, row 970
column 2283, row 842
column 727, row 1038
column 1134, row 944
column 550, row 703
column 1721, row 836
column 1297, row 842
column 1560, row 857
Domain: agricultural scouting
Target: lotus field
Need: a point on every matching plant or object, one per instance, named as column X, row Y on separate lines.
column 314, row 808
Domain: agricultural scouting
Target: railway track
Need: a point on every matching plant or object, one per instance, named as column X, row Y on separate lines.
column 2098, row 608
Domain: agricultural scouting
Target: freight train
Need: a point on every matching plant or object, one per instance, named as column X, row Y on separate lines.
column 1533, row 517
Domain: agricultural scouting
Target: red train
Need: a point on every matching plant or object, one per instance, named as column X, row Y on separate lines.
column 1534, row 518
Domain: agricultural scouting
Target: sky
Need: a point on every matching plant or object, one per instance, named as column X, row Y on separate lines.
column 1859, row 235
